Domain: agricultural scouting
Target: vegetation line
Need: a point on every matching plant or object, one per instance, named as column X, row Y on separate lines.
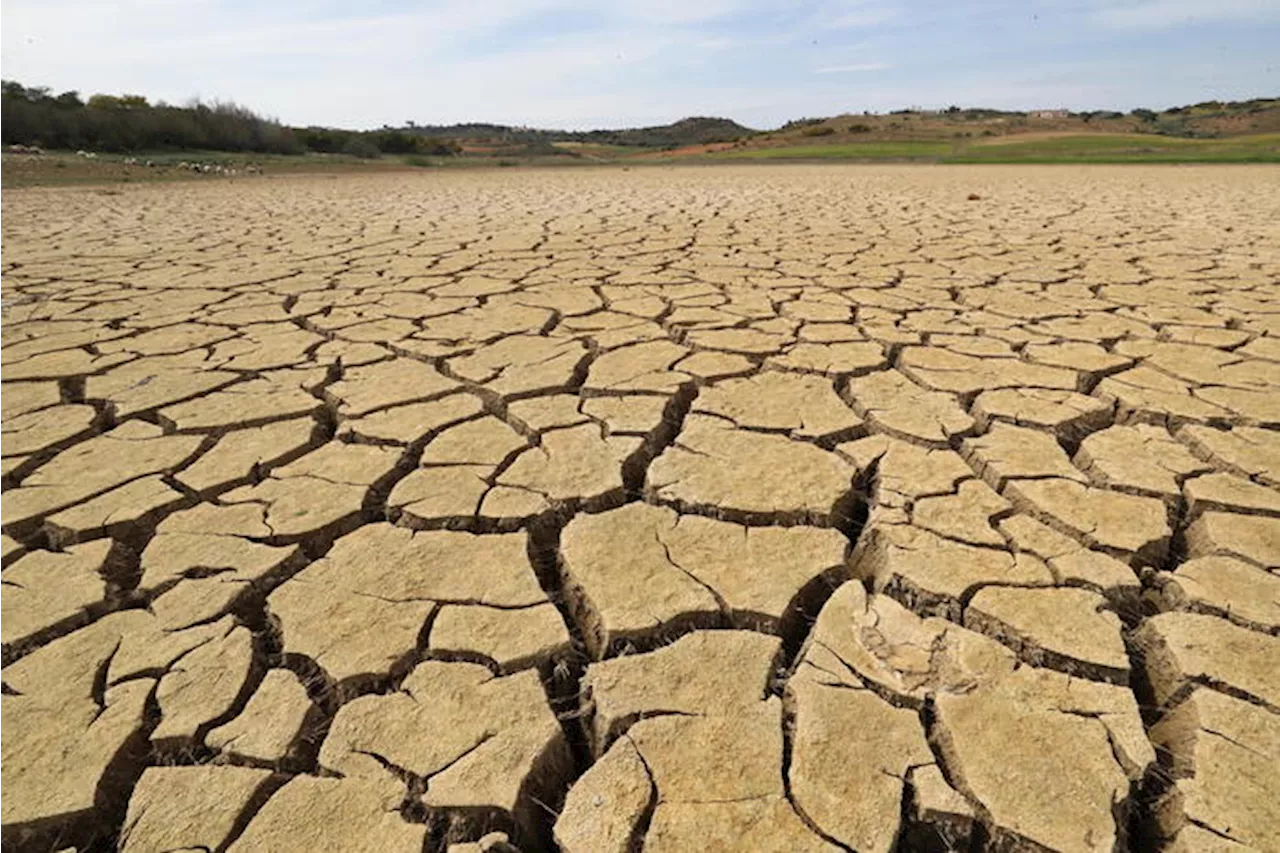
column 126, row 137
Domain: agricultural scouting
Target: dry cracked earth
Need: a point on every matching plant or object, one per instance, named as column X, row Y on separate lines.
column 779, row 509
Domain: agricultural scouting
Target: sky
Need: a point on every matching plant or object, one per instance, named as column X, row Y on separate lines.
column 576, row 64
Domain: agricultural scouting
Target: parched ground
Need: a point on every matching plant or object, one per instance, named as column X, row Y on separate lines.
column 777, row 509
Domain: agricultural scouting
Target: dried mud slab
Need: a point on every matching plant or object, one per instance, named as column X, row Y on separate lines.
column 411, row 422
column 267, row 730
column 1066, row 629
column 703, row 697
column 797, row 406
column 364, row 609
column 65, row 735
column 1071, row 563
column 48, row 593
column 1082, row 740
column 1067, row 415
column 741, row 474
column 245, row 454
column 718, row 782
column 770, row 508
column 311, row 813
column 95, row 468
column 570, row 467
column 703, row 672
column 245, row 404
column 936, row 575
column 853, row 749
column 1130, row 527
column 322, row 494
column 1254, row 539
column 1182, row 650
column 686, row 569
column 190, row 807
column 1225, row 587
column 899, row 407
column 1140, row 459
column 369, row 388
column 1222, row 753
column 1247, row 451
column 496, row 748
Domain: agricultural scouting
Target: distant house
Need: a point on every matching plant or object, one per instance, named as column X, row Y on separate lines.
column 1048, row 114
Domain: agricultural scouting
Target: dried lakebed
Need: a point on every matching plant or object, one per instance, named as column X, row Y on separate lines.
column 799, row 508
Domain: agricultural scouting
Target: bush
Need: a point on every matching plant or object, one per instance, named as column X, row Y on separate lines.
column 438, row 147
column 859, row 128
column 358, row 146
column 801, row 122
column 824, row 130
column 323, row 140
column 394, row 141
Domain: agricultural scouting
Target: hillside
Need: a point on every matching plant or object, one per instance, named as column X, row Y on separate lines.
column 489, row 138
column 974, row 134
column 964, row 127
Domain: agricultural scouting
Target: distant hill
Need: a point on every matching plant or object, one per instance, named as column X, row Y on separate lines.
column 695, row 130
column 1206, row 120
column 956, row 127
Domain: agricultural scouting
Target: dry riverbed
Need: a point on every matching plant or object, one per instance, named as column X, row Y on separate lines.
column 741, row 508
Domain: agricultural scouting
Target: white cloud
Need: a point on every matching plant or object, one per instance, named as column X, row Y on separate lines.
column 1159, row 14
column 856, row 14
column 849, row 69
column 669, row 12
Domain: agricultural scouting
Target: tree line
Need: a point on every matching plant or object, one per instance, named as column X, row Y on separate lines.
column 34, row 115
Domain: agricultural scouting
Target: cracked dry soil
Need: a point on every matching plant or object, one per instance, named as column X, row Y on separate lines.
column 799, row 508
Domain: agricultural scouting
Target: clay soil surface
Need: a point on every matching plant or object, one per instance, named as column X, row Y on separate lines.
column 744, row 508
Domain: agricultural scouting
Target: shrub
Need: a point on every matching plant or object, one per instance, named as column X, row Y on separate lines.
column 358, row 146
column 438, row 147
column 859, row 128
column 394, row 141
column 824, row 130
column 323, row 140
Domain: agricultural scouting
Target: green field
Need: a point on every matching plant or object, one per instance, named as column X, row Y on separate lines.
column 1127, row 148
column 599, row 150
column 1096, row 148
column 839, row 151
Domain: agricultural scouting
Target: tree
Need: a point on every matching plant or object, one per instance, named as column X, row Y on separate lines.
column 1144, row 114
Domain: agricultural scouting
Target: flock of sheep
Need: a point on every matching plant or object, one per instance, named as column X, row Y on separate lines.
column 203, row 168
column 208, row 168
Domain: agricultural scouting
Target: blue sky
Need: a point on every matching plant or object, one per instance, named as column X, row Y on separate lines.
column 578, row 64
